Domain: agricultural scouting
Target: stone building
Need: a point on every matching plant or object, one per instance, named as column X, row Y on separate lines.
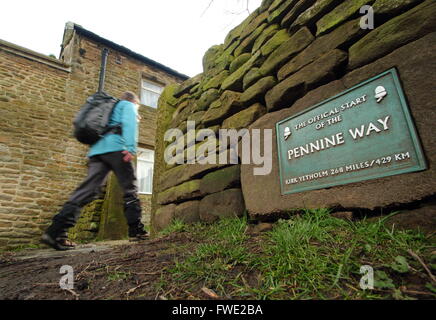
column 287, row 57
column 40, row 160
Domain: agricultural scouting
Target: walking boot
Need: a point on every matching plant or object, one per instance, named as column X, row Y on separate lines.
column 137, row 233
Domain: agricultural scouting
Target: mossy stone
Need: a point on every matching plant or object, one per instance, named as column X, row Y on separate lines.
column 265, row 4
column 340, row 14
column 113, row 223
column 289, row 90
column 183, row 173
column 168, row 96
column 254, row 24
column 187, row 85
column 345, row 33
column 239, row 61
column 87, row 227
column 286, row 51
column 185, row 191
column 228, row 105
column 278, row 14
column 314, row 13
column 194, row 89
column 234, row 81
column 235, row 33
column 163, row 120
column 244, row 118
column 256, row 92
column 210, row 57
column 215, row 82
column 392, row 7
column 295, row 11
column 266, row 34
column 251, row 77
column 196, row 117
column 221, row 179
column 206, row 99
column 247, row 44
column 276, row 41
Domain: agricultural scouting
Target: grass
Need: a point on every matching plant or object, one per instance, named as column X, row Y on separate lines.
column 310, row 256
column 115, row 276
column 176, row 226
column 212, row 260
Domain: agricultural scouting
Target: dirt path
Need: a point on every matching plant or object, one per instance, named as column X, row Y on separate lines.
column 107, row 270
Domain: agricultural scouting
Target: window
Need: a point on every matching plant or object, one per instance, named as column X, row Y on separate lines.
column 145, row 170
column 150, row 93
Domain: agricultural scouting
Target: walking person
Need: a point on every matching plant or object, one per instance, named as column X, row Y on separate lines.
column 113, row 152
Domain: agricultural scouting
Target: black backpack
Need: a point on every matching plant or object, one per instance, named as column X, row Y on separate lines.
column 92, row 121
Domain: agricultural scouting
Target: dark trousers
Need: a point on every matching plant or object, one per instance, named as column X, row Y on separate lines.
column 98, row 168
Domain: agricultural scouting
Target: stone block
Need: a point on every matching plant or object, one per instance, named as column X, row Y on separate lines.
column 244, row 118
column 215, row 82
column 183, row 173
column 239, row 62
column 392, row 7
column 276, row 15
column 184, row 191
column 228, row 105
column 188, row 212
column 247, row 44
column 257, row 91
column 221, row 179
column 234, row 81
column 187, row 85
column 253, row 25
column 274, row 42
column 235, row 33
column 226, row 204
column 266, row 34
column 289, row 90
column 340, row 14
column 287, row 51
column 346, row 33
column 314, row 13
column 251, row 77
column 210, row 57
column 163, row 217
column 206, row 99
column 292, row 14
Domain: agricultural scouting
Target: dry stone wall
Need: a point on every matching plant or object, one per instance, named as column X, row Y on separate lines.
column 287, row 56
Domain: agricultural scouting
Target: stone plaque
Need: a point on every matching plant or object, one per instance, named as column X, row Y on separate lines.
column 363, row 133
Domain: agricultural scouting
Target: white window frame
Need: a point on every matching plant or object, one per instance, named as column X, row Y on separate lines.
column 139, row 161
column 144, row 87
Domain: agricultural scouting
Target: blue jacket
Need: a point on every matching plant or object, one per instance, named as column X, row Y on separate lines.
column 125, row 114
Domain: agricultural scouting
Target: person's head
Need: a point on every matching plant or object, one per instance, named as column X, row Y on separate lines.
column 130, row 96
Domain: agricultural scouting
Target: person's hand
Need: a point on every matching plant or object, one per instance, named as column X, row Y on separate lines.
column 127, row 156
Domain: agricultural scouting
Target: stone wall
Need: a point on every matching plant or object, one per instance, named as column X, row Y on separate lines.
column 284, row 58
column 41, row 163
